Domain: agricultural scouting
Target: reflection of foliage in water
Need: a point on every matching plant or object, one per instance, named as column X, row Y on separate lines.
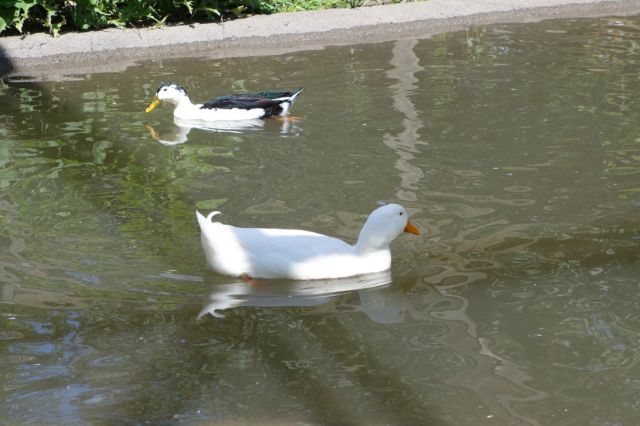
column 78, row 184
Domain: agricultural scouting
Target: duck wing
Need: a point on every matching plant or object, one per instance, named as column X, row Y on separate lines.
column 288, row 252
column 270, row 94
column 290, row 244
column 272, row 102
column 272, row 253
column 241, row 102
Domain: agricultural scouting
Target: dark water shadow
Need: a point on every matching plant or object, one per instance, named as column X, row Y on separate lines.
column 325, row 346
column 6, row 64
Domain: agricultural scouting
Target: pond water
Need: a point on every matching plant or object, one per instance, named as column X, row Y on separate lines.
column 516, row 149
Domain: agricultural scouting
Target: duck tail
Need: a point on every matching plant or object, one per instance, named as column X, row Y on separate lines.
column 285, row 103
column 289, row 96
column 295, row 94
column 203, row 221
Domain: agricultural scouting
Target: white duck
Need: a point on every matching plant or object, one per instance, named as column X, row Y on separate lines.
column 302, row 255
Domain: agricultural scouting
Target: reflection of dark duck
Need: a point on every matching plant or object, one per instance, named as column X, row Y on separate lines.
column 179, row 131
column 239, row 106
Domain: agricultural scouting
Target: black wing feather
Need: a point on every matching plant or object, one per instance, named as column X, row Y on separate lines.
column 270, row 101
column 270, row 106
column 266, row 95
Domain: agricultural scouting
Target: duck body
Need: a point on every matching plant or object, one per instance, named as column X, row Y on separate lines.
column 299, row 254
column 239, row 106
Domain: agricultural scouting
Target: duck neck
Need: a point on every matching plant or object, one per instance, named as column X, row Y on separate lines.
column 369, row 242
column 182, row 102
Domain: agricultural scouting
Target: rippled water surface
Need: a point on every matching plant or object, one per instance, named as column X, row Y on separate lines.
column 516, row 149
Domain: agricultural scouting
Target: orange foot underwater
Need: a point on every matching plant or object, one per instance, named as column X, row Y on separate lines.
column 247, row 279
column 153, row 132
column 287, row 118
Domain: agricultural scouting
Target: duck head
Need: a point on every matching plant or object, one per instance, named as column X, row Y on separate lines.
column 383, row 225
column 168, row 92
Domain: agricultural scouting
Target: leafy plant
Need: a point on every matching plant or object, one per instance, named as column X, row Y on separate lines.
column 39, row 12
column 55, row 15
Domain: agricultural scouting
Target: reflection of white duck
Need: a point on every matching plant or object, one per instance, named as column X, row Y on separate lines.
column 303, row 255
column 388, row 305
column 280, row 293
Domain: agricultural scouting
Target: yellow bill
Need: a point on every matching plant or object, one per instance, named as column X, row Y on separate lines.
column 410, row 228
column 154, row 103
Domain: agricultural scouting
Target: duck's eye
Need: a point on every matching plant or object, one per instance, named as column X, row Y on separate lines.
column 401, row 213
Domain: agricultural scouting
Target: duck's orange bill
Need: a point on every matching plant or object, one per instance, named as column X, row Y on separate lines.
column 154, row 103
column 410, row 228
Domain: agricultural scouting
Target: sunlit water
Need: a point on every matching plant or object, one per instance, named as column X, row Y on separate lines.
column 515, row 148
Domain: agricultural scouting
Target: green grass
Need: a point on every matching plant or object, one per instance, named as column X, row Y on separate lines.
column 275, row 6
column 55, row 16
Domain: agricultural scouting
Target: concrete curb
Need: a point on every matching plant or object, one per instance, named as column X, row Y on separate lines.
column 269, row 34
